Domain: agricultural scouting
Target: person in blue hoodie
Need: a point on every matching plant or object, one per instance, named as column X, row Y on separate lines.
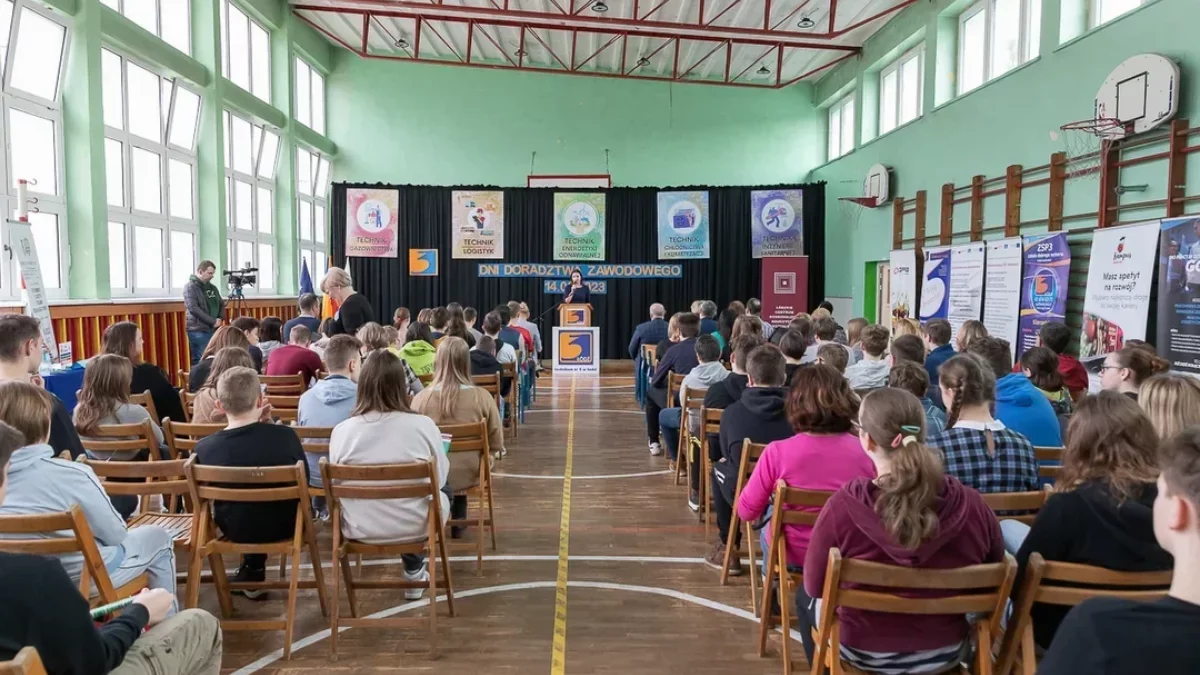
column 937, row 344
column 330, row 402
column 1019, row 404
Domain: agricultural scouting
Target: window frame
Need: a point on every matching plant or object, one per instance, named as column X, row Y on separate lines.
column 158, row 20
column 297, row 63
column 839, row 108
column 1027, row 49
column 1094, row 13
column 254, row 235
column 319, row 198
column 251, row 21
column 896, row 67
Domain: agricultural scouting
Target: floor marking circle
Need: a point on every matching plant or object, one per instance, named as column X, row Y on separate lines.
column 574, row 477
column 584, row 410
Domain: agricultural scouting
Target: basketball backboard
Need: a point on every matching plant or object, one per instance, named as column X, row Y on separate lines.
column 1140, row 94
column 877, row 184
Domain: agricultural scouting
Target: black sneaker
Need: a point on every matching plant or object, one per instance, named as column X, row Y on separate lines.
column 694, row 500
column 247, row 574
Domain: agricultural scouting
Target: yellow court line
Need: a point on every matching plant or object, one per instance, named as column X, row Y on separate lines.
column 558, row 655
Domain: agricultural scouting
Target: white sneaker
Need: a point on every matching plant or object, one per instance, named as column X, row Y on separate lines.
column 421, row 575
column 655, row 449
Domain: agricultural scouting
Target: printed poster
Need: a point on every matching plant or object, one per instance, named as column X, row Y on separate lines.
column 372, row 223
column 682, row 225
column 579, row 225
column 966, row 284
column 1047, row 260
column 935, row 284
column 22, row 241
column 902, row 265
column 1002, row 303
column 478, row 224
column 1118, row 288
column 1178, row 338
column 422, row 262
column 784, row 289
column 776, row 223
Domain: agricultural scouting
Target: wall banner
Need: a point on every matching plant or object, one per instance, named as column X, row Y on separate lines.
column 422, row 262
column 935, row 284
column 682, row 225
column 22, row 241
column 544, row 271
column 902, row 265
column 1002, row 303
column 579, row 225
column 478, row 224
column 559, row 287
column 966, row 284
column 1178, row 338
column 784, row 288
column 1118, row 288
column 372, row 223
column 1043, row 286
column 776, row 223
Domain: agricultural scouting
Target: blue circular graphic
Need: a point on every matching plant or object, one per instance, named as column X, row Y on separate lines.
column 1043, row 292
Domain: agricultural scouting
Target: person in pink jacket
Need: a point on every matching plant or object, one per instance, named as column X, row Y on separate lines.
column 823, row 455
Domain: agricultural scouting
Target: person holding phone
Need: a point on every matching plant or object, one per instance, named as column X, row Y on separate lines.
column 577, row 292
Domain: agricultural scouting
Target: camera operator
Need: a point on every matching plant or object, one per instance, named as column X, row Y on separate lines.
column 354, row 309
column 204, row 306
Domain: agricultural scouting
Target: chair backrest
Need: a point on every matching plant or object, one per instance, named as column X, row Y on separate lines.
column 710, row 420
column 650, row 354
column 1019, row 506
column 182, row 437
column 1054, row 457
column 254, row 483
column 284, row 385
column 145, row 400
column 183, row 377
column 77, row 540
column 122, row 438
column 694, row 398
column 751, row 452
column 674, row 384
column 345, row 481
column 510, row 370
column 283, row 402
column 426, row 379
column 188, row 400
column 489, row 383
column 314, row 439
column 26, row 662
column 471, row 437
column 142, row 479
column 804, row 501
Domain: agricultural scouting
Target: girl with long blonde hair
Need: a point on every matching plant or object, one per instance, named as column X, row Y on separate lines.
column 104, row 400
column 1172, row 402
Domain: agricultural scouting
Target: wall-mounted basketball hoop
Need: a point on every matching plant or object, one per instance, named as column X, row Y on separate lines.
column 876, row 188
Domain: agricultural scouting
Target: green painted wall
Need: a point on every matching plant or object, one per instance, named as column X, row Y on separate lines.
column 429, row 124
column 1007, row 121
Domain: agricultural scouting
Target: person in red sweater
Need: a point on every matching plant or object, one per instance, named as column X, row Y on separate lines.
column 911, row 515
column 295, row 356
column 1057, row 337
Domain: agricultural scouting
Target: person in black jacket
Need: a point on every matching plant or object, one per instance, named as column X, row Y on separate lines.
column 354, row 310
column 20, row 356
column 729, row 391
column 483, row 362
column 249, row 327
column 761, row 416
column 124, row 338
column 41, row 607
column 226, row 336
column 679, row 359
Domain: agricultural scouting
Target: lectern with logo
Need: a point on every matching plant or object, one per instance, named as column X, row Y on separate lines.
column 576, row 341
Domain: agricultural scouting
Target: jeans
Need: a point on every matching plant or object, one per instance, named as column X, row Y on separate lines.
column 656, row 400
column 197, row 341
column 668, row 424
column 723, row 507
column 1014, row 533
column 188, row 643
column 146, row 549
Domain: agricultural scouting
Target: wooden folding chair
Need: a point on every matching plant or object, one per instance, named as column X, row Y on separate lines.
column 1067, row 585
column 283, row 385
column 286, row 409
column 1052, row 455
column 710, row 425
column 188, row 400
column 1019, row 506
column 808, row 504
column 514, row 412
column 184, row 377
column 211, row 484
column 674, row 384
column 145, row 400
column 750, row 454
column 694, row 400
column 143, row 479
column 414, row 481
column 137, row 437
column 44, row 534
column 490, row 384
column 473, row 438
column 182, row 438
column 26, row 662
column 978, row 589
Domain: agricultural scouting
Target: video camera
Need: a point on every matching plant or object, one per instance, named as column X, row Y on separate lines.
column 243, row 277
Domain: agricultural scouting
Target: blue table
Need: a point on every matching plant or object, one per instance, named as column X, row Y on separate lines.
column 64, row 384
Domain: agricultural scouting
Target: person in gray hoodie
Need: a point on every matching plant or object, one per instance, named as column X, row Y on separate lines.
column 203, row 303
column 330, row 401
column 38, row 483
column 872, row 372
column 709, row 372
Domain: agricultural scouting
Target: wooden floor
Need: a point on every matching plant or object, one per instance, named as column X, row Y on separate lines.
column 638, row 597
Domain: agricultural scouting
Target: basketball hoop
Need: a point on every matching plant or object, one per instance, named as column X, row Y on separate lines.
column 1088, row 142
column 851, row 209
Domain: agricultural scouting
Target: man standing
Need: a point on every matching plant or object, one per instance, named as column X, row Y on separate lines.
column 204, row 305
column 649, row 332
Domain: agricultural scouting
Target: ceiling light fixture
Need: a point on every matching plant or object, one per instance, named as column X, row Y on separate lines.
column 520, row 52
column 806, row 22
column 600, row 7
column 763, row 70
column 643, row 61
column 401, row 43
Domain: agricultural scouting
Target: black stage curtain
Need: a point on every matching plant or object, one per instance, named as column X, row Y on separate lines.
column 632, row 213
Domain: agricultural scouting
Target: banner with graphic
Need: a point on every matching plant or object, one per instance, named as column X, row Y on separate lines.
column 372, row 223
column 902, row 265
column 1118, row 288
column 776, row 223
column 1178, row 338
column 579, row 225
column 784, row 289
column 422, row 262
column 1044, row 286
column 965, row 301
column 22, row 241
column 589, row 271
column 935, row 284
column 576, row 350
column 1002, row 304
column 682, row 225
column 478, row 224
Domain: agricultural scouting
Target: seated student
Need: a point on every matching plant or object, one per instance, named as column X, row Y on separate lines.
column 872, row 371
column 907, row 348
column 822, row 455
column 724, row 332
column 457, row 327
column 708, row 372
column 204, row 408
column 793, row 346
column 225, row 336
column 1057, row 337
column 800, row 322
column 937, row 334
column 522, row 321
column 20, row 358
column 38, row 483
column 754, row 309
column 437, row 321
column 1109, row 636
column 1172, row 402
column 854, row 335
column 508, row 335
column 825, row 311
column 493, row 327
column 969, row 332
column 1040, row 366
column 250, row 327
column 1019, row 404
column 825, row 330
column 673, row 336
column 270, row 337
column 372, row 336
column 401, row 319
column 471, row 316
column 514, row 322
column 649, row 332
column 913, row 378
column 330, row 401
column 679, row 359
column 104, row 399
column 911, row 515
column 296, row 357
column 453, row 399
column 908, row 326
column 124, row 338
column 310, row 315
column 247, row 441
column 833, row 356
column 1101, row 510
column 1125, row 370
column 483, row 362
column 761, row 416
column 707, row 311
column 978, row 449
column 418, row 349
column 42, row 608
column 384, row 430
column 729, row 390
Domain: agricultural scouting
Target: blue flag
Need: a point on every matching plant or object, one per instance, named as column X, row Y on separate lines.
column 305, row 278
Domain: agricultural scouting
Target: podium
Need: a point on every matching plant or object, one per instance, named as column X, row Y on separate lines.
column 576, row 341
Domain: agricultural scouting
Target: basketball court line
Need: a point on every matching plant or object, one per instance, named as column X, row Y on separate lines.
column 600, row 477
column 587, row 410
column 558, row 652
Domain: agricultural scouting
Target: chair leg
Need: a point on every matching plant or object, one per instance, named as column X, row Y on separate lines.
column 785, row 621
column 283, row 566
column 491, row 510
column 335, row 611
column 293, row 591
column 734, row 525
column 194, row 574
column 764, row 608
column 347, row 573
column 222, row 583
column 479, row 534
column 749, row 539
column 314, row 556
column 433, row 647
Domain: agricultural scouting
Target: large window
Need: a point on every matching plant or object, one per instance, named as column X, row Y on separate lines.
column 1103, row 11
column 168, row 19
column 32, row 55
column 995, row 36
column 841, row 127
column 900, row 89
column 246, row 51
column 251, row 158
column 150, row 168
column 310, row 97
column 312, row 207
